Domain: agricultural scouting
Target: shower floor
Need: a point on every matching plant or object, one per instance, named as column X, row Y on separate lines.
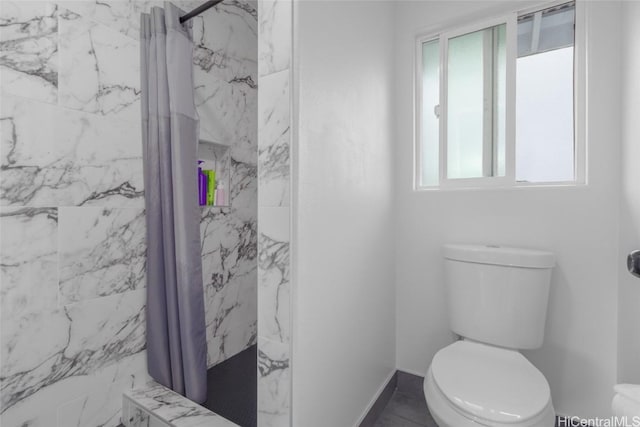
column 233, row 388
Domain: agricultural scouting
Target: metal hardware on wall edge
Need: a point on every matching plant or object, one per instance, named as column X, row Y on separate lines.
column 633, row 263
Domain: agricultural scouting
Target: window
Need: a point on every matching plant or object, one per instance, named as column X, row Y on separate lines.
column 496, row 103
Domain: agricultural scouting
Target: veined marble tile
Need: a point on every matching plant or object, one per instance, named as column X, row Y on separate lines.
column 101, row 408
column 140, row 418
column 274, row 36
column 28, row 49
column 173, row 408
column 120, row 15
column 108, row 327
column 228, row 114
column 231, row 319
column 274, row 373
column 107, row 161
column 43, row 408
column 103, row 252
column 29, row 270
column 70, row 158
column 244, row 185
column 28, row 274
column 103, row 405
column 229, row 244
column 49, row 352
column 273, row 274
column 274, row 140
column 99, row 68
column 225, row 41
column 229, row 274
column 135, row 417
column 28, row 154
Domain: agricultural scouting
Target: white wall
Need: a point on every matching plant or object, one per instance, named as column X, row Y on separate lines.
column 344, row 321
column 579, row 224
column 629, row 294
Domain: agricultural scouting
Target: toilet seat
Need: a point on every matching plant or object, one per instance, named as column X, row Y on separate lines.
column 487, row 385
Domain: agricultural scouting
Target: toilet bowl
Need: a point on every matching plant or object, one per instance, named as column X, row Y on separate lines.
column 473, row 384
column 497, row 303
column 626, row 402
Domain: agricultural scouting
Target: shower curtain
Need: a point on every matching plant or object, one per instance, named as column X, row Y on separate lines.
column 176, row 331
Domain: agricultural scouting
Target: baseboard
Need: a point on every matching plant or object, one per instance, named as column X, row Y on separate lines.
column 379, row 401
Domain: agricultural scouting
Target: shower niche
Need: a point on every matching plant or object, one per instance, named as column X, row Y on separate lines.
column 214, row 173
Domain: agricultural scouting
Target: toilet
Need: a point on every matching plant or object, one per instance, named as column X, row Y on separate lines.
column 626, row 402
column 497, row 301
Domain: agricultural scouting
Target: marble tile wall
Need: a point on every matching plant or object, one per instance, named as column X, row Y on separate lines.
column 274, row 140
column 229, row 247
column 72, row 246
column 225, row 71
column 156, row 406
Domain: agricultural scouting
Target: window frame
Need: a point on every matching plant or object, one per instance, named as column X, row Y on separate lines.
column 510, row 18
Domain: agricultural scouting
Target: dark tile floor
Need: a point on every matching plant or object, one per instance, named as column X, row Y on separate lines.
column 405, row 409
column 408, row 407
column 233, row 388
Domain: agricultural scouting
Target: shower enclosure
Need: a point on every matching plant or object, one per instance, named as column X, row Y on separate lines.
column 202, row 242
column 244, row 233
column 73, row 296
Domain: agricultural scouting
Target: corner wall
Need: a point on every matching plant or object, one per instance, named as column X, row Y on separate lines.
column 274, row 140
column 579, row 224
column 344, row 308
column 629, row 292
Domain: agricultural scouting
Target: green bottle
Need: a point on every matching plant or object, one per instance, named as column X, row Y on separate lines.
column 211, row 186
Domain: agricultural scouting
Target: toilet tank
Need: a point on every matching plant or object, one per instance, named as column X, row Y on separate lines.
column 498, row 295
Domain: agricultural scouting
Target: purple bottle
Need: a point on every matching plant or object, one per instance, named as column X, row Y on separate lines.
column 202, row 186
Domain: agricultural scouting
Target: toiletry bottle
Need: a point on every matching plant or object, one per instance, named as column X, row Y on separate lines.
column 220, row 196
column 211, row 186
column 202, row 185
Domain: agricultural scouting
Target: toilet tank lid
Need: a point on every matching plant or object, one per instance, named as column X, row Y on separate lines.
column 630, row 391
column 500, row 255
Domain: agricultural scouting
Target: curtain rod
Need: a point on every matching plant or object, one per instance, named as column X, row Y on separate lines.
column 198, row 10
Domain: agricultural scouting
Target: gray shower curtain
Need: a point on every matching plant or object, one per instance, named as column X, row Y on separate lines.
column 176, row 331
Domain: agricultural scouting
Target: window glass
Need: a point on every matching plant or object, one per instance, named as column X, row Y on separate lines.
column 500, row 105
column 545, row 30
column 476, row 103
column 544, row 98
column 544, row 117
column 430, row 143
column 525, row 26
column 463, row 102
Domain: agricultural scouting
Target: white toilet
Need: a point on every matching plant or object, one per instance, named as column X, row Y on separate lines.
column 497, row 301
column 626, row 402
